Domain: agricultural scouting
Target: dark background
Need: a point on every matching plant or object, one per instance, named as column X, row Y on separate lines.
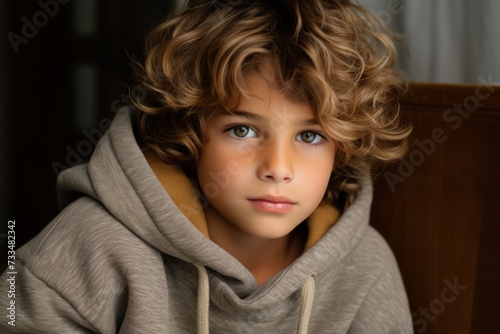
column 65, row 77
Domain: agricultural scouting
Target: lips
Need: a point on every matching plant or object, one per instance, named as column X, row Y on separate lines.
column 272, row 204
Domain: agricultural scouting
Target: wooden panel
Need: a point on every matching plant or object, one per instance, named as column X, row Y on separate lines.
column 439, row 208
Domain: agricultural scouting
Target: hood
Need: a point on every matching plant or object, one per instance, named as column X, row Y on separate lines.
column 168, row 217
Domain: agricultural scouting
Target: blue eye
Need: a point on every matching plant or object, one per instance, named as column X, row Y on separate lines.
column 309, row 137
column 242, row 131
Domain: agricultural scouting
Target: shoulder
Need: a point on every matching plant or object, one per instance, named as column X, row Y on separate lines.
column 83, row 225
column 364, row 266
column 86, row 256
column 86, row 241
column 385, row 306
column 373, row 264
column 365, row 290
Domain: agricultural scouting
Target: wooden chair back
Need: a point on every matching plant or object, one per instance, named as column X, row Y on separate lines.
column 439, row 208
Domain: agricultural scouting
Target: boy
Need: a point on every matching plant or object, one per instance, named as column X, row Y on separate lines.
column 244, row 205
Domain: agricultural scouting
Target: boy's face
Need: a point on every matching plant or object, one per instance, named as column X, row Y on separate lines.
column 266, row 168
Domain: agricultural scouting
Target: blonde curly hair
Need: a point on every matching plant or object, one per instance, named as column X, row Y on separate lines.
column 333, row 55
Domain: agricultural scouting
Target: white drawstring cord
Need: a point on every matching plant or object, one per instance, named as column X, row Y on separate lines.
column 307, row 296
column 203, row 300
column 306, row 305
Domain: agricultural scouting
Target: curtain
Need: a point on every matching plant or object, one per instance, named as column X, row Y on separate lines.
column 452, row 41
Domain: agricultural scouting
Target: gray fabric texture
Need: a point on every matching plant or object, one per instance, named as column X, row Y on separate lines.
column 121, row 258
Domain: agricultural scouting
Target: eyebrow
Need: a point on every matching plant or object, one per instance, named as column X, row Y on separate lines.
column 242, row 113
column 256, row 117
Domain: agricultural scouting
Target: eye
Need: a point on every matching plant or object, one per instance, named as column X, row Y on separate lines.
column 242, row 131
column 310, row 137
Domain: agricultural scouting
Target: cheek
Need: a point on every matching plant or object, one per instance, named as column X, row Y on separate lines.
column 317, row 181
column 218, row 171
column 317, row 175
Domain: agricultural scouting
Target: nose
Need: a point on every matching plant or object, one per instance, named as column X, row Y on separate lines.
column 275, row 162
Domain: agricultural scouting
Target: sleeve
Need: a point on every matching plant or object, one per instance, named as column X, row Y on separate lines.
column 31, row 306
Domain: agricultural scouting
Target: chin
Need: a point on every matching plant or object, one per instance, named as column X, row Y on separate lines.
column 266, row 233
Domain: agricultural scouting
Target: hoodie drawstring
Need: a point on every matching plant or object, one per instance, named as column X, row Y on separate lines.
column 307, row 296
column 203, row 300
column 306, row 305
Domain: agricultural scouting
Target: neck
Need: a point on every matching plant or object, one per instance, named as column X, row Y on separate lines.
column 264, row 258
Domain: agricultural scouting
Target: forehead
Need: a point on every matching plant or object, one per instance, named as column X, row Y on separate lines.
column 262, row 96
column 271, row 115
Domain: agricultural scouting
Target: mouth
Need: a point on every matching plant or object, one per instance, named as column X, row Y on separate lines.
column 273, row 199
column 272, row 204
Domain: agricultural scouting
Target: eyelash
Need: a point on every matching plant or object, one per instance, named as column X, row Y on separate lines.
column 230, row 131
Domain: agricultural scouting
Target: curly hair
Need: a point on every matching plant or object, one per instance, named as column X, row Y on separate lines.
column 331, row 54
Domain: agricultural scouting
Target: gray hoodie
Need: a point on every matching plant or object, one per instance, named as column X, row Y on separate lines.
column 128, row 254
